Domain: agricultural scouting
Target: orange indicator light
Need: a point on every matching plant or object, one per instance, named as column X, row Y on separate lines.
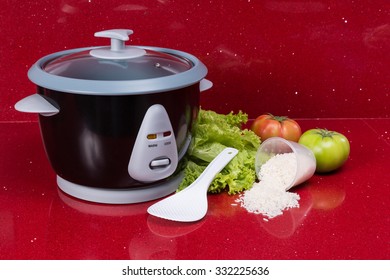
column 151, row 136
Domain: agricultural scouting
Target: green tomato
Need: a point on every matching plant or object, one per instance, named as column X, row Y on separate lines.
column 330, row 148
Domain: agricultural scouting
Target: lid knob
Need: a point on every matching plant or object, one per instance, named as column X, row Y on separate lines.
column 118, row 49
column 118, row 37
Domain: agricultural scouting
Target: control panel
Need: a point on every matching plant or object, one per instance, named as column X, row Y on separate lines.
column 154, row 156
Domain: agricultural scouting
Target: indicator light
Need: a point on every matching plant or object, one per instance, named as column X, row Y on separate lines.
column 151, row 136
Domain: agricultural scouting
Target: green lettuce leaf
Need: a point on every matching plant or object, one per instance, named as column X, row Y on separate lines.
column 213, row 132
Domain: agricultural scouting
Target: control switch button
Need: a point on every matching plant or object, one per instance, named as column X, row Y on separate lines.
column 160, row 163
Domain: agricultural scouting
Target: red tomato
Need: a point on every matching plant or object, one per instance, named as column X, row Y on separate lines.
column 267, row 126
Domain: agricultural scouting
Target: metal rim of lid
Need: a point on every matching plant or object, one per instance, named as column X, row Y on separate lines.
column 132, row 87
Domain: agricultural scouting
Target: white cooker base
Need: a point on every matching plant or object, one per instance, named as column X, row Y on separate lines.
column 120, row 196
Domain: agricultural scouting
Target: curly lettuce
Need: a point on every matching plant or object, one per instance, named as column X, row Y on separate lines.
column 213, row 132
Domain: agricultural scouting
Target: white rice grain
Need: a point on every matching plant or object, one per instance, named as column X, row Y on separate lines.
column 269, row 197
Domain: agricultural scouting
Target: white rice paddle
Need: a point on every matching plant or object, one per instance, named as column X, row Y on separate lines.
column 190, row 204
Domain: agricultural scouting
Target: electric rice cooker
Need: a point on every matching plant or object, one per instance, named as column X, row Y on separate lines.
column 116, row 120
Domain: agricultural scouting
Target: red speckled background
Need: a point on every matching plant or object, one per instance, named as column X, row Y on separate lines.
column 305, row 59
column 324, row 62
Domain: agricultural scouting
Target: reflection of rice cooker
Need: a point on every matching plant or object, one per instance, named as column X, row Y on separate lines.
column 116, row 121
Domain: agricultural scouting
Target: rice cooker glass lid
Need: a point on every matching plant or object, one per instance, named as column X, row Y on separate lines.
column 117, row 69
column 83, row 65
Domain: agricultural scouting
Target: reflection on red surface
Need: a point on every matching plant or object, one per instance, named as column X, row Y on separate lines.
column 99, row 209
column 285, row 225
column 378, row 38
column 347, row 214
column 171, row 229
column 327, row 196
column 222, row 208
column 149, row 246
column 86, row 230
column 7, row 231
column 155, row 239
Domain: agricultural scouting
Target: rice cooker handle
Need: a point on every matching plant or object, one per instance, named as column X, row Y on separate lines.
column 118, row 49
column 205, row 84
column 36, row 103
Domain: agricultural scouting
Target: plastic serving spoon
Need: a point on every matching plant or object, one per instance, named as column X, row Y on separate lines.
column 191, row 204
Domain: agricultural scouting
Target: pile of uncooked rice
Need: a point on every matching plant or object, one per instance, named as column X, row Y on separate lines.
column 269, row 197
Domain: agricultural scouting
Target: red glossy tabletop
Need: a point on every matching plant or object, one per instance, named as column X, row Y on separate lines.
column 301, row 58
column 343, row 215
